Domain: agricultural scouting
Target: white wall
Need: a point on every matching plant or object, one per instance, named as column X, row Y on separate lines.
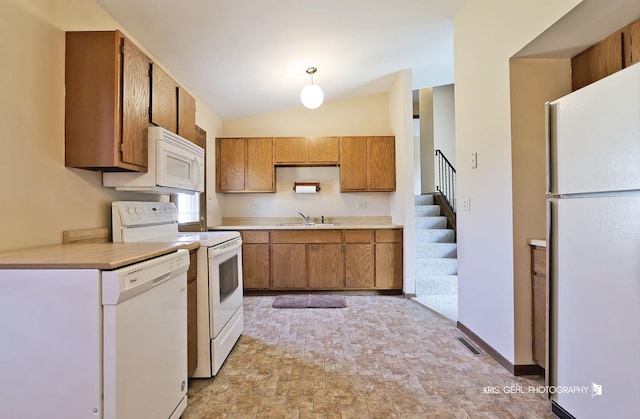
column 402, row 201
column 40, row 196
column 427, row 149
column 417, row 181
column 533, row 82
column 212, row 125
column 437, row 132
column 484, row 41
column 444, row 121
column 329, row 201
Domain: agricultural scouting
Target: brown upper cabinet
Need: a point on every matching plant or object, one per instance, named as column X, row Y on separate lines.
column 106, row 102
column 187, row 116
column 612, row 54
column 367, row 164
column 632, row 43
column 172, row 107
column 164, row 100
column 114, row 92
column 306, row 151
column 244, row 165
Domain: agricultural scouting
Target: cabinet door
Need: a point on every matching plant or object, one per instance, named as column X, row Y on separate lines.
column 135, row 104
column 260, row 171
column 290, row 150
column 186, row 115
column 604, row 58
column 164, row 100
column 326, row 264
column 359, row 265
column 288, row 268
column 382, row 164
column 106, row 102
column 353, row 164
column 632, row 43
column 323, row 150
column 539, row 304
column 230, row 155
column 255, row 266
column 389, row 265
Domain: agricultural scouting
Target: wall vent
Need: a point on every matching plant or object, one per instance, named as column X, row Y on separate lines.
column 469, row 346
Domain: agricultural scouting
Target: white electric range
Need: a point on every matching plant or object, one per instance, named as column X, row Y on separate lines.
column 219, row 281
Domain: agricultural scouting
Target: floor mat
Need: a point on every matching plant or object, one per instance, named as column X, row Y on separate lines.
column 309, row 301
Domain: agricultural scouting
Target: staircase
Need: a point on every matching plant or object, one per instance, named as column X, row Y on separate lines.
column 436, row 259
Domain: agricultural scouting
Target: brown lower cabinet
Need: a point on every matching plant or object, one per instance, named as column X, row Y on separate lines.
column 288, row 266
column 365, row 259
column 255, row 259
column 389, row 259
column 539, row 304
column 325, row 266
column 359, row 263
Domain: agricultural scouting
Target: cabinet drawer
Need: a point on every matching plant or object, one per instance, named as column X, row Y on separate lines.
column 539, row 256
column 311, row 236
column 358, row 236
column 255, row 236
column 389, row 236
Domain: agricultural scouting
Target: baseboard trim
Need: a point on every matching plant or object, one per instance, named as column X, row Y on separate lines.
column 528, row 369
column 557, row 410
column 409, row 295
column 516, row 370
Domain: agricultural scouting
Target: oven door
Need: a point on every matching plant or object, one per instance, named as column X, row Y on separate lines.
column 180, row 165
column 225, row 284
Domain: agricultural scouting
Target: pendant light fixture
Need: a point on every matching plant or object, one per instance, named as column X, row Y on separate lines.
column 311, row 96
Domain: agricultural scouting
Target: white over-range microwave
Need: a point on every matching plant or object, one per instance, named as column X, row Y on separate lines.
column 176, row 165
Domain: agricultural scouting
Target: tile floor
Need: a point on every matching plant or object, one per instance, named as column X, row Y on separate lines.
column 380, row 357
column 447, row 305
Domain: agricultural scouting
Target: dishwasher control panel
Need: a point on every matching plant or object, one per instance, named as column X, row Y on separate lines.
column 121, row 284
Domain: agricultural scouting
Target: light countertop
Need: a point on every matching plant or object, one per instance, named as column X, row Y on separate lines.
column 104, row 256
column 296, row 223
column 313, row 227
column 537, row 242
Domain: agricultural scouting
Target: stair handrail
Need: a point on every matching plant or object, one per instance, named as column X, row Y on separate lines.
column 446, row 180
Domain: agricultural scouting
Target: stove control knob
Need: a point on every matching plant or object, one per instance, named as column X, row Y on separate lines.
column 139, row 210
column 131, row 210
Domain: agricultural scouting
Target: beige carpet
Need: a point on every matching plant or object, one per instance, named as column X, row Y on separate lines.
column 309, row 301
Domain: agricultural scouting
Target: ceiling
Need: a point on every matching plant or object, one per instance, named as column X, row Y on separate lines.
column 249, row 57
column 570, row 35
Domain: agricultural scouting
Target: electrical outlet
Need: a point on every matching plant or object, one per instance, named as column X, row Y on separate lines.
column 466, row 204
column 362, row 205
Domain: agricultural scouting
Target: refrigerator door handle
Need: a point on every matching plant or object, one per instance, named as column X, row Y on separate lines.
column 548, row 147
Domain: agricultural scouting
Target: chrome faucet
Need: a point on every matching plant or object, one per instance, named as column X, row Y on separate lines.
column 307, row 219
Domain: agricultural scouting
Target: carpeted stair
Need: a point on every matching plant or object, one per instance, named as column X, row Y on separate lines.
column 436, row 259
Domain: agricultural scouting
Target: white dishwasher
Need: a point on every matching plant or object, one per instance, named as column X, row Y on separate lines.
column 105, row 344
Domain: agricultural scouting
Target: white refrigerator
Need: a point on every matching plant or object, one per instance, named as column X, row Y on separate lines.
column 594, row 249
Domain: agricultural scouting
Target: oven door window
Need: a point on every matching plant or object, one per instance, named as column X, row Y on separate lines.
column 228, row 271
